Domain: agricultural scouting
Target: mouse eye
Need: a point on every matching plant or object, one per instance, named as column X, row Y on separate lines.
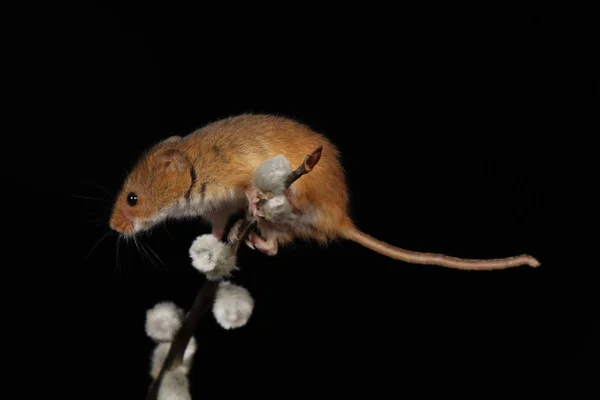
column 132, row 199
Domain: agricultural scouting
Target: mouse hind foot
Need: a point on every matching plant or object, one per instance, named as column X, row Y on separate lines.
column 280, row 208
column 269, row 246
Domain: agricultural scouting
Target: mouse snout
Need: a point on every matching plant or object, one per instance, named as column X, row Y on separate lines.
column 121, row 223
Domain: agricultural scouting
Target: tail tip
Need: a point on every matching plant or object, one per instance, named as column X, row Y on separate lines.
column 533, row 262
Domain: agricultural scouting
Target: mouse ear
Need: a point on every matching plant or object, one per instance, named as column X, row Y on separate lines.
column 173, row 158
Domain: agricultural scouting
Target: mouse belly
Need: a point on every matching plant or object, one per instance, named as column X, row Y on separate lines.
column 214, row 209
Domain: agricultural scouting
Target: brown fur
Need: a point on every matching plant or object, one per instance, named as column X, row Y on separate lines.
column 250, row 139
column 226, row 153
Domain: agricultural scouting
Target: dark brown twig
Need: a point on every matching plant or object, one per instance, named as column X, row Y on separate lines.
column 307, row 165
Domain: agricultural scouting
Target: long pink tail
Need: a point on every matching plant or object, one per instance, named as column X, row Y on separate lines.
column 442, row 260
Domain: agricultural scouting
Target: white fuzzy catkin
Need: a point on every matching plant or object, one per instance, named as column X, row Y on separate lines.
column 233, row 305
column 212, row 257
column 163, row 321
column 271, row 174
column 277, row 209
column 174, row 386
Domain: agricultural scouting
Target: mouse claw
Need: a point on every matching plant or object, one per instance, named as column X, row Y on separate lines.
column 268, row 247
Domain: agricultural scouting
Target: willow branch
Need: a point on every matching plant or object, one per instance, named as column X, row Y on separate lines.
column 206, row 296
column 307, row 165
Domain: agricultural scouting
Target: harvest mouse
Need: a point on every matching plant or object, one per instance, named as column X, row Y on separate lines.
column 209, row 174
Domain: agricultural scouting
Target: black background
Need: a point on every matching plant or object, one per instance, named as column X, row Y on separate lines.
column 465, row 131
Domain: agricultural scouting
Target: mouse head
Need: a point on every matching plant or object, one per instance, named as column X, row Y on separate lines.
column 158, row 181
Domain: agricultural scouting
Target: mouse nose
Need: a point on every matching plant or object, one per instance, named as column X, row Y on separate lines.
column 113, row 225
column 120, row 223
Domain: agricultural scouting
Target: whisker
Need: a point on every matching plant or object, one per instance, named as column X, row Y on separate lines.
column 104, row 190
column 147, row 254
column 139, row 252
column 166, row 230
column 117, row 253
column 95, row 245
column 156, row 255
column 110, row 195
column 98, row 218
column 90, row 198
column 137, row 246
